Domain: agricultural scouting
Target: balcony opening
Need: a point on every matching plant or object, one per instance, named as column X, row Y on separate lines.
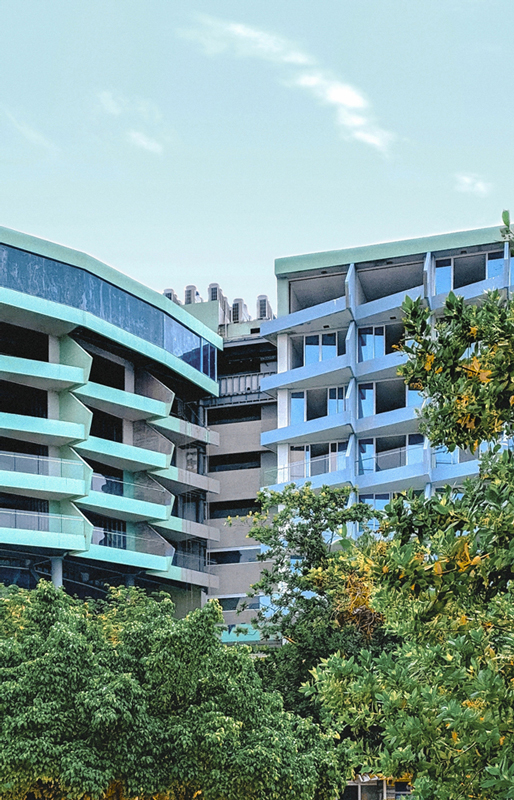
column 390, row 395
column 26, row 448
column 381, row 281
column 226, row 415
column 23, row 342
column 308, row 292
column 316, row 347
column 105, row 426
column 108, row 480
column 16, row 502
column 247, row 555
column 234, row 461
column 190, row 506
column 25, row 400
column 468, row 269
column 107, row 372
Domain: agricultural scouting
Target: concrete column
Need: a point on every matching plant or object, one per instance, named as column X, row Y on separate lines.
column 57, row 572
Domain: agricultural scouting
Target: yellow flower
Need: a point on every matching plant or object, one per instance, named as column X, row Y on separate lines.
column 429, row 361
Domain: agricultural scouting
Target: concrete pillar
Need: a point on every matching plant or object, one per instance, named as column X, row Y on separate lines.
column 57, row 572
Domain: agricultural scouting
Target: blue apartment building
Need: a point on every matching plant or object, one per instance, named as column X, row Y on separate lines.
column 343, row 414
column 102, row 439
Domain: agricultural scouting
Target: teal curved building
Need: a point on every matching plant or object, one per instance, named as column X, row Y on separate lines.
column 102, row 440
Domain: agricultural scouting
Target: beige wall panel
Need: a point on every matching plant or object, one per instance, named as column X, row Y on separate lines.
column 237, row 578
column 237, row 437
column 237, row 484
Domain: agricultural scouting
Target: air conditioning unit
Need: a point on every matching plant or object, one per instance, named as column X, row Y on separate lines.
column 214, row 292
column 172, row 295
column 264, row 310
column 192, row 295
column 239, row 311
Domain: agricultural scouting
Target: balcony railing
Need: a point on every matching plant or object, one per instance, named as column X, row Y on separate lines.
column 390, row 459
column 149, row 542
column 441, row 457
column 300, row 470
column 135, row 491
column 241, row 384
column 42, row 465
column 41, row 522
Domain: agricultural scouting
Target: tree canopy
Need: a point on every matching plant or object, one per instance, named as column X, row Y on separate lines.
column 434, row 701
column 120, row 699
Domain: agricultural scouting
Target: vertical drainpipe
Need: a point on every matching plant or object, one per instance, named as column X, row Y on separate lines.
column 57, row 572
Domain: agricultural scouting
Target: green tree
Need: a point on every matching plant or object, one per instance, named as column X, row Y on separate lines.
column 440, row 701
column 304, row 534
column 121, row 700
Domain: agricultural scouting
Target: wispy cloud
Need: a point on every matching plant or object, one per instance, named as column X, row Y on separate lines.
column 472, row 184
column 353, row 115
column 30, row 134
column 135, row 111
column 139, row 139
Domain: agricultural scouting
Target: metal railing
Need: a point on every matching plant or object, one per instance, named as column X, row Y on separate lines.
column 134, row 491
column 150, row 543
column 250, row 383
column 390, row 459
column 41, row 521
column 42, row 465
column 300, row 470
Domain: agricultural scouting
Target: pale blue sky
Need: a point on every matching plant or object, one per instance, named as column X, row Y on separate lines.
column 189, row 142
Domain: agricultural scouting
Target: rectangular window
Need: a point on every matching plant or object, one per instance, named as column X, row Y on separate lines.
column 106, row 426
column 233, row 461
column 366, row 397
column 297, row 408
column 366, row 451
column 328, row 346
column 232, row 508
column 336, row 400
column 316, row 406
column 338, row 456
column 443, row 275
column 495, row 263
column 415, row 448
column 311, row 349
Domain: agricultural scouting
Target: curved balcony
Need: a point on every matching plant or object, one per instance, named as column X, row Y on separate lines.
column 336, row 370
column 132, row 502
column 38, row 529
column 43, row 477
column 322, row 429
column 332, row 469
column 40, row 374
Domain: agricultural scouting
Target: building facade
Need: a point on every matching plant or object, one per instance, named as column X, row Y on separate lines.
column 237, row 418
column 102, row 436
column 343, row 414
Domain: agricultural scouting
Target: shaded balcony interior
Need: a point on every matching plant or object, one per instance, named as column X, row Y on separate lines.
column 23, row 342
column 33, row 459
column 375, row 341
column 235, row 461
column 106, row 426
column 316, row 403
column 389, row 452
column 107, row 372
column 470, row 266
column 316, row 347
column 243, row 555
column 384, row 278
column 25, row 400
column 191, row 506
column 311, row 291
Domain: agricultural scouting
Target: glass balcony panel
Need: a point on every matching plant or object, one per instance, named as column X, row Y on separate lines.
column 41, row 465
column 414, row 398
column 40, row 521
column 328, row 346
column 336, row 400
column 311, row 349
column 390, row 459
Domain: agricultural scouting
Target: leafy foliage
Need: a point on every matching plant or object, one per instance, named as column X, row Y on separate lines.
column 121, row 700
